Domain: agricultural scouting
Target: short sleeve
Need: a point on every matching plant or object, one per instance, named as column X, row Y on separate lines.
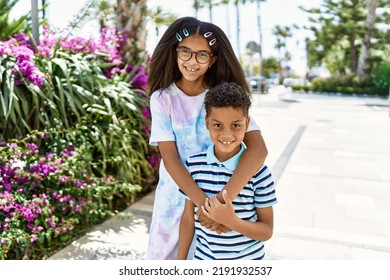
column 161, row 122
column 264, row 188
column 252, row 125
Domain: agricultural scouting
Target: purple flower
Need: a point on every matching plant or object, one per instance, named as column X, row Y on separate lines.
column 138, row 79
column 64, row 179
column 24, row 40
column 33, row 238
column 24, row 55
column 13, row 146
column 51, row 223
column 80, row 184
column 33, row 147
column 146, row 113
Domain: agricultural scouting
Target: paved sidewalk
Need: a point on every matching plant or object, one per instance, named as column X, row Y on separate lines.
column 330, row 157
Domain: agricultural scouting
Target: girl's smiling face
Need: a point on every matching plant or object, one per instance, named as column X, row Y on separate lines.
column 192, row 70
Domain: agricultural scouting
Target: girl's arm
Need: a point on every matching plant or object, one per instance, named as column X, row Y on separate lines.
column 251, row 161
column 183, row 179
column 224, row 213
column 179, row 173
column 186, row 230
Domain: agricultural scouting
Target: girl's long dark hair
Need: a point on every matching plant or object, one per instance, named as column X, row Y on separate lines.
column 163, row 69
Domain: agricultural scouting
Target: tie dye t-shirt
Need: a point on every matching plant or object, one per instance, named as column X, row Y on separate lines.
column 180, row 118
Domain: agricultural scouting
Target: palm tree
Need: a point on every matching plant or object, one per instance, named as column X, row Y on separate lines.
column 210, row 4
column 101, row 10
column 9, row 27
column 237, row 4
column 131, row 20
column 226, row 3
column 371, row 6
column 196, row 7
column 161, row 18
column 282, row 33
column 198, row 4
column 260, row 33
column 238, row 23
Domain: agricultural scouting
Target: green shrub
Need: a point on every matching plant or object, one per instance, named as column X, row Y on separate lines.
column 48, row 199
column 73, row 82
column 347, row 84
column 381, row 78
column 304, row 88
column 74, row 124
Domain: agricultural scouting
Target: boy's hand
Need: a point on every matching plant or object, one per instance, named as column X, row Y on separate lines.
column 217, row 211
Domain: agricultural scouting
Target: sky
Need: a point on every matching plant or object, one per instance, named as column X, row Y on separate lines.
column 273, row 12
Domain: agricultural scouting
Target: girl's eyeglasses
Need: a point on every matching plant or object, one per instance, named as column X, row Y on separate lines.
column 201, row 57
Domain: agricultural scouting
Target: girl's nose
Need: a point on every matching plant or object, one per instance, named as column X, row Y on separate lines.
column 193, row 59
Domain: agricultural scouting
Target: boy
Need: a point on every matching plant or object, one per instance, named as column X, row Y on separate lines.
column 250, row 215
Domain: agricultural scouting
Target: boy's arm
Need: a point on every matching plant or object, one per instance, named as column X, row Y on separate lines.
column 183, row 179
column 186, row 230
column 251, row 161
column 224, row 213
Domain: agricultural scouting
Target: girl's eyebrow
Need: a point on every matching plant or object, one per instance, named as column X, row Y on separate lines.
column 192, row 50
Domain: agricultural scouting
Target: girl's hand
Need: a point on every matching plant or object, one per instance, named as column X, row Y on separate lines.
column 210, row 224
column 222, row 213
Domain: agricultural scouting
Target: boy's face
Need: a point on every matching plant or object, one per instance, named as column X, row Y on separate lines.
column 227, row 127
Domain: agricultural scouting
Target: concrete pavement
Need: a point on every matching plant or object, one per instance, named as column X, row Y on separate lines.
column 330, row 157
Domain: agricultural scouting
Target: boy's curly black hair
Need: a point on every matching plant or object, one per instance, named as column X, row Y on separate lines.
column 227, row 95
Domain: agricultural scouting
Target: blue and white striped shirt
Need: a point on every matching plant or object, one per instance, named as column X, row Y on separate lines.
column 211, row 176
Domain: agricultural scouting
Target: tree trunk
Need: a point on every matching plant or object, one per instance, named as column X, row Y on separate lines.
column 131, row 22
column 227, row 15
column 196, row 7
column 371, row 6
column 238, row 29
column 353, row 53
column 35, row 20
column 211, row 12
column 260, row 36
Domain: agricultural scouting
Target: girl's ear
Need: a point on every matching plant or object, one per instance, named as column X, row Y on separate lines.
column 247, row 121
column 213, row 60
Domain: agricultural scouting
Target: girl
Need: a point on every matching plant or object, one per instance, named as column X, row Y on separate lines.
column 190, row 57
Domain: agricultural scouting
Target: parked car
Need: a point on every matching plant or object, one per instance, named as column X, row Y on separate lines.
column 289, row 82
column 258, row 84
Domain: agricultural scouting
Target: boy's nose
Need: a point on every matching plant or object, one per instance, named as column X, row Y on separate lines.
column 226, row 135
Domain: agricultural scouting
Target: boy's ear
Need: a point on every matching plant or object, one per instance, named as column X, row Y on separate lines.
column 247, row 121
column 206, row 118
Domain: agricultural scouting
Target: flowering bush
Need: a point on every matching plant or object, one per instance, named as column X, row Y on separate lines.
column 71, row 82
column 23, row 61
column 73, row 117
column 46, row 199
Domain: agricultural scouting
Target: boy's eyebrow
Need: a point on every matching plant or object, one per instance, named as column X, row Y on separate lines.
column 232, row 122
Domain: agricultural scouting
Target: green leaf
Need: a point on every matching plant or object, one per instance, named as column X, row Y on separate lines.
column 62, row 64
